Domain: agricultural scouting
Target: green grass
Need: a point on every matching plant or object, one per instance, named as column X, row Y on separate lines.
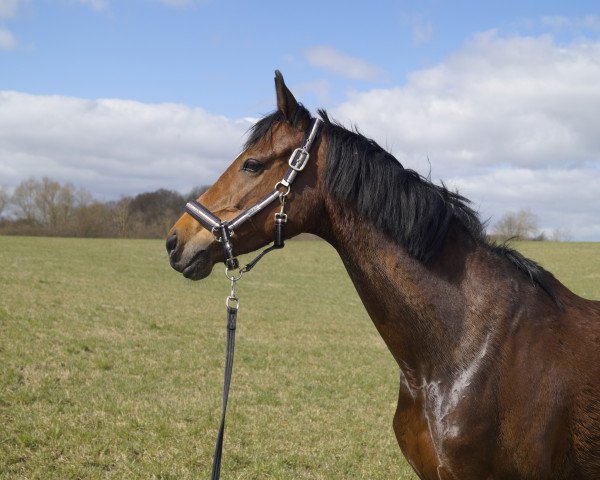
column 575, row 264
column 111, row 364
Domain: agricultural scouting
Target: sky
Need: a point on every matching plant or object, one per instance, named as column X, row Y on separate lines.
column 500, row 100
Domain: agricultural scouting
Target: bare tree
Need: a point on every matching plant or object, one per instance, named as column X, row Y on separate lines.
column 45, row 199
column 47, row 207
column 560, row 235
column 152, row 213
column 23, row 198
column 519, row 225
column 83, row 198
column 121, row 215
column 93, row 220
column 66, row 204
column 196, row 192
column 3, row 199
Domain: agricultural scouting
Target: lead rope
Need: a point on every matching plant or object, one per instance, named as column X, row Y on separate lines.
column 232, row 303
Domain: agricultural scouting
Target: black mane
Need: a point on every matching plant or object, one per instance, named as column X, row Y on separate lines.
column 265, row 125
column 406, row 206
column 399, row 201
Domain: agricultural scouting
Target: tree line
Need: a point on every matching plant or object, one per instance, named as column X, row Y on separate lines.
column 48, row 207
column 523, row 225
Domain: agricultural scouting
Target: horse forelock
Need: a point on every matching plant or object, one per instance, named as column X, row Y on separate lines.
column 264, row 127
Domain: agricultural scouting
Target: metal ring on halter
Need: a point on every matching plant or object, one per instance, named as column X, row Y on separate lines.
column 215, row 232
column 287, row 187
column 234, row 278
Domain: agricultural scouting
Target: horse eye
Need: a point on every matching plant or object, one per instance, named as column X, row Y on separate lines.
column 251, row 165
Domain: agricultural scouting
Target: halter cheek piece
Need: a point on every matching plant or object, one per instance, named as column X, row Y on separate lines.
column 224, row 230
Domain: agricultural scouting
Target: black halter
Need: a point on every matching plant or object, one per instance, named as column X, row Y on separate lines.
column 224, row 230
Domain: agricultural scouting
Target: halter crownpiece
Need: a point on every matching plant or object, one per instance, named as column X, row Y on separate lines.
column 224, row 229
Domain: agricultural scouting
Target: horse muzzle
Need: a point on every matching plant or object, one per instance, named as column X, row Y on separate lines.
column 194, row 257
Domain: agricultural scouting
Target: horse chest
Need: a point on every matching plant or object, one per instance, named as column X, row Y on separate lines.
column 443, row 432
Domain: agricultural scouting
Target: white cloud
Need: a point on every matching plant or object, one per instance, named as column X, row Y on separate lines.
column 176, row 3
column 562, row 198
column 183, row 3
column 511, row 122
column 587, row 22
column 97, row 5
column 113, row 147
column 321, row 89
column 422, row 33
column 520, row 101
column 102, row 5
column 331, row 60
column 500, row 110
column 8, row 8
column 7, row 39
column 421, row 28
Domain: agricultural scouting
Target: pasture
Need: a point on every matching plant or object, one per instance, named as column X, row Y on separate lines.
column 111, row 364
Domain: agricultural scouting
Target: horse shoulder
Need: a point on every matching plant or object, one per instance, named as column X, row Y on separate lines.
column 413, row 432
column 581, row 351
column 548, row 363
column 443, row 430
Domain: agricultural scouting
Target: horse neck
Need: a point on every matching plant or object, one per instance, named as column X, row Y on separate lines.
column 418, row 309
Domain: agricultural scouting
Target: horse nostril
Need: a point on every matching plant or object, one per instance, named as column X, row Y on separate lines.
column 171, row 243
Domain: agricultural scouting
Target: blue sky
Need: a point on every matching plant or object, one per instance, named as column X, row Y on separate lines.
column 220, row 55
column 499, row 99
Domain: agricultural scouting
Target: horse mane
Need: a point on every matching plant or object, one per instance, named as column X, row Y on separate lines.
column 264, row 126
column 406, row 206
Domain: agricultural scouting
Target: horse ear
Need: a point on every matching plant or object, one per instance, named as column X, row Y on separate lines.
column 286, row 103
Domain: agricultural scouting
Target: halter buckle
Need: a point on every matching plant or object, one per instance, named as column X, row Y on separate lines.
column 299, row 159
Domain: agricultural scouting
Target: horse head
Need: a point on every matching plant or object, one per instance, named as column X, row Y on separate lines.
column 259, row 169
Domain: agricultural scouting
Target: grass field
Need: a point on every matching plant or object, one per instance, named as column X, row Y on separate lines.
column 111, row 364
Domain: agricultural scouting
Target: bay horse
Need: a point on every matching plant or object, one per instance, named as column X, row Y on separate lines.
column 499, row 363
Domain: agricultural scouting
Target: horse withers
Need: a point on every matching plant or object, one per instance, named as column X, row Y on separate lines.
column 499, row 363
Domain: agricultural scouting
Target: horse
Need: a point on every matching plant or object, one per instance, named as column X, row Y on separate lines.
column 498, row 362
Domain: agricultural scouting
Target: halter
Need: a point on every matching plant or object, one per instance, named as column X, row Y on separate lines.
column 223, row 231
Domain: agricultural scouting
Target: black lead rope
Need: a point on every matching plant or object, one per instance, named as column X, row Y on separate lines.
column 223, row 230
column 231, row 321
column 233, row 304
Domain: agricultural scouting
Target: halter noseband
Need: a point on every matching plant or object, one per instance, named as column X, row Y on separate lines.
column 224, row 230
